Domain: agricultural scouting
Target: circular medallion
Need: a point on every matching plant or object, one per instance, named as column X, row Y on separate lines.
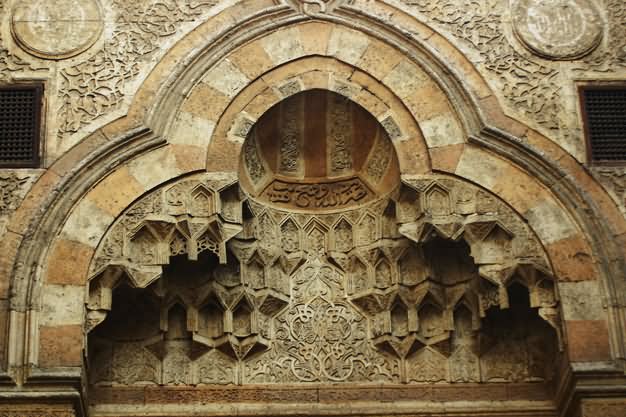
column 558, row 29
column 56, row 29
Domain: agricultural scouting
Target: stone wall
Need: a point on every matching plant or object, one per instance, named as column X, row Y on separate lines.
column 142, row 95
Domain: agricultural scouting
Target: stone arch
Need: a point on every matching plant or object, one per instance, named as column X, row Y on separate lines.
column 314, row 72
column 530, row 170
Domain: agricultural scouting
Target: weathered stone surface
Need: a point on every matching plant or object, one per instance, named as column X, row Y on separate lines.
column 609, row 407
column 550, row 222
column 60, row 345
column 62, row 305
column 347, row 45
column 155, row 167
column 588, row 340
column 192, row 130
column 226, row 78
column 68, row 262
column 405, row 78
column 442, row 130
column 87, row 223
column 116, row 191
column 60, row 31
column 481, row 167
column 582, row 300
column 572, row 258
column 283, row 46
column 42, row 409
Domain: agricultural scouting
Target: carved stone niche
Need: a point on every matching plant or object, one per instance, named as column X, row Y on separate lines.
column 237, row 281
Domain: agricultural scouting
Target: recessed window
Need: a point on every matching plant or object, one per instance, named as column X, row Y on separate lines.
column 604, row 113
column 20, row 125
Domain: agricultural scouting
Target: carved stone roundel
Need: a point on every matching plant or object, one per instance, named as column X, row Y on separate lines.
column 56, row 29
column 557, row 29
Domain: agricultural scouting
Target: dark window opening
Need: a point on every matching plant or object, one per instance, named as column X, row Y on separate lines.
column 20, row 125
column 604, row 115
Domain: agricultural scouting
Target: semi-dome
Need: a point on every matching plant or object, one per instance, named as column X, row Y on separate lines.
column 318, row 150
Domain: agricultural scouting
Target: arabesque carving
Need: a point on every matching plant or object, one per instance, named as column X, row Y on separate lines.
column 11, row 186
column 614, row 180
column 531, row 86
column 97, row 86
column 613, row 56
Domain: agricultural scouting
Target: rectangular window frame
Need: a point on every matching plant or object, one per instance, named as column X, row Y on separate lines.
column 38, row 104
column 597, row 85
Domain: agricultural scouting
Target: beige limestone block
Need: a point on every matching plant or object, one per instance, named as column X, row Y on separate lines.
column 262, row 102
column 87, row 223
column 68, row 262
column 226, row 78
column 114, row 193
column 190, row 129
column 206, row 102
column 582, row 300
column 283, row 45
column 428, row 101
column 480, row 166
column 314, row 37
column 442, row 130
column 347, row 45
column 341, row 86
column 155, row 167
column 405, row 78
column 315, row 79
column 550, row 222
column 62, row 305
column 190, row 158
column 252, row 60
column 379, row 59
column 371, row 103
column 446, row 158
